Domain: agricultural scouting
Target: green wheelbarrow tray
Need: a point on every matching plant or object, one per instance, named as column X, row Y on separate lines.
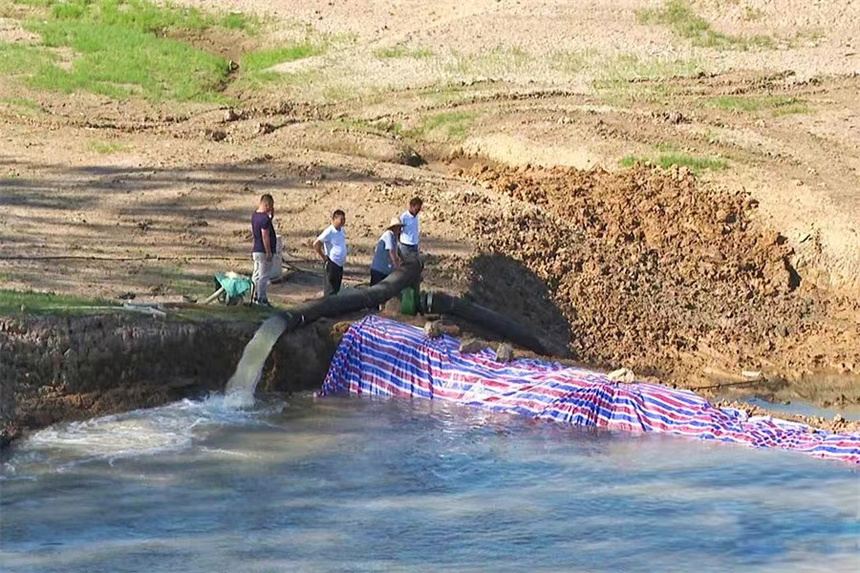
column 231, row 288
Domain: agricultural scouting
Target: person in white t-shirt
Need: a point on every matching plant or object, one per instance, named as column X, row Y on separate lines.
column 331, row 247
column 410, row 235
column 386, row 257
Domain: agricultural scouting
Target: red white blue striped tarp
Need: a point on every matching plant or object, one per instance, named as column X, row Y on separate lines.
column 381, row 357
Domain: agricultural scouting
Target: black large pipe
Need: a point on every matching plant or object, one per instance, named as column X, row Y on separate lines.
column 409, row 274
column 358, row 299
column 241, row 386
column 441, row 303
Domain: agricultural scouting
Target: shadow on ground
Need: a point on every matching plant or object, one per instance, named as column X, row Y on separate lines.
column 503, row 284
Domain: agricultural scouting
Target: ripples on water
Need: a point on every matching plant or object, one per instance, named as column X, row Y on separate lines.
column 359, row 485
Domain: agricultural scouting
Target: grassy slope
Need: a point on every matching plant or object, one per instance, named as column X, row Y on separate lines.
column 40, row 303
column 127, row 48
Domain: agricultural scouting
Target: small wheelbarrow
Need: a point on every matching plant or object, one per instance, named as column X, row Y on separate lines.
column 231, row 288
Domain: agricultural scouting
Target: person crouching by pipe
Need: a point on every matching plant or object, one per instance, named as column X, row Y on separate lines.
column 386, row 257
column 331, row 247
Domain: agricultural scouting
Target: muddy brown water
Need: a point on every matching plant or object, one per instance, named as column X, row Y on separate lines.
column 340, row 484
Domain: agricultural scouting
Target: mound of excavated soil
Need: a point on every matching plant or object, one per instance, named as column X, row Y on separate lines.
column 660, row 275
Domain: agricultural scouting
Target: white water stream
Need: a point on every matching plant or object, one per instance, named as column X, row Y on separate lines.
column 239, row 392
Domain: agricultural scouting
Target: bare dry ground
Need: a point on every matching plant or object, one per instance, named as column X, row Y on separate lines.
column 760, row 101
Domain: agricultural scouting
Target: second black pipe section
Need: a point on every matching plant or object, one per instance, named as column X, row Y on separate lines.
column 409, row 274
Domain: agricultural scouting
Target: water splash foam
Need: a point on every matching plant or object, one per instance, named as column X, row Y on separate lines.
column 172, row 427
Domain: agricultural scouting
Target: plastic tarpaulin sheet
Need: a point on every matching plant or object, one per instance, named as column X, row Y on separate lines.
column 381, row 357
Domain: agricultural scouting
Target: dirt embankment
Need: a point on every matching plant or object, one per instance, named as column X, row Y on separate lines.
column 68, row 368
column 673, row 280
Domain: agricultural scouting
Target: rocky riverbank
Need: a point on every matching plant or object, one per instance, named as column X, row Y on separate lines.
column 57, row 368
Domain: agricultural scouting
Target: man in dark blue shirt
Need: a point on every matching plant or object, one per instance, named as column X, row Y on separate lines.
column 265, row 243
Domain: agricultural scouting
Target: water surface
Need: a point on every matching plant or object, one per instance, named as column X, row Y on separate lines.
column 359, row 485
column 851, row 412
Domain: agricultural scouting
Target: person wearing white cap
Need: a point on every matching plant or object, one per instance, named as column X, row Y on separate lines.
column 386, row 257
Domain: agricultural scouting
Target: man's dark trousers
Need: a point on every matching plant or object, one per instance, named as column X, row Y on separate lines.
column 332, row 278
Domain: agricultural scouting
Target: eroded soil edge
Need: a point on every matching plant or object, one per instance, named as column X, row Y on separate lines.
column 71, row 368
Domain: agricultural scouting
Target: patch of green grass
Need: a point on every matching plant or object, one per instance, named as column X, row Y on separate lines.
column 622, row 79
column 448, row 93
column 21, row 102
column 630, row 67
column 121, row 62
column 255, row 72
column 335, row 92
column 752, row 14
column 776, row 105
column 43, row 3
column 23, row 59
column 694, row 163
column 240, row 21
column 291, row 82
column 263, row 59
column 16, row 8
column 573, row 62
column 683, row 21
column 14, row 302
column 626, row 78
column 807, row 38
column 147, row 16
column 106, row 147
column 799, row 106
column 19, row 302
column 623, row 93
column 122, row 48
column 630, row 160
column 452, row 125
column 403, row 52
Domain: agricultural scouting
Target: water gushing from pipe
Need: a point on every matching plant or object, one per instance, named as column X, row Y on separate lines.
column 239, row 392
column 240, row 389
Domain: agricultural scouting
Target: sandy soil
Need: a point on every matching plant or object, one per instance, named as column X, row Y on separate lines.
column 542, row 82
